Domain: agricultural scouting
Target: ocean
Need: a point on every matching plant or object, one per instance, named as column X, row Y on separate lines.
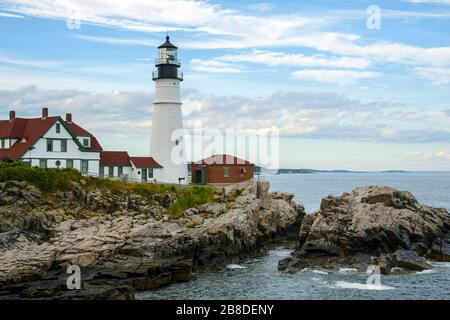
column 259, row 279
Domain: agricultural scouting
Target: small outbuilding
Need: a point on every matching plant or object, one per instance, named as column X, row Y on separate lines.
column 221, row 169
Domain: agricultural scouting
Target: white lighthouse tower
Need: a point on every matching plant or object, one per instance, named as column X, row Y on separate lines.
column 167, row 145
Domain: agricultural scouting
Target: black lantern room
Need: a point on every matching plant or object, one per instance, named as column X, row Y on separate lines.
column 167, row 62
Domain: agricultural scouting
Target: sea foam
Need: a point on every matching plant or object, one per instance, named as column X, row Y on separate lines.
column 347, row 270
column 235, row 266
column 361, row 286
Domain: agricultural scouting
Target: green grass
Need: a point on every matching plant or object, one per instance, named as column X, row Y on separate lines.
column 192, row 197
column 51, row 180
column 119, row 186
column 47, row 180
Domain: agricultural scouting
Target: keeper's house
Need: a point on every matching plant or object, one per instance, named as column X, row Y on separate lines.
column 120, row 164
column 54, row 142
column 221, row 169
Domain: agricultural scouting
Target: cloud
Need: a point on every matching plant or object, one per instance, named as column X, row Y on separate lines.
column 40, row 64
column 438, row 76
column 432, row 155
column 447, row 2
column 118, row 41
column 309, row 115
column 334, row 76
column 262, row 6
column 273, row 58
column 204, row 25
column 214, row 66
column 10, row 15
column 104, row 113
column 157, row 16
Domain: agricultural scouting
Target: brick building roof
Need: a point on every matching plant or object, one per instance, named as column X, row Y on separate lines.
column 223, row 159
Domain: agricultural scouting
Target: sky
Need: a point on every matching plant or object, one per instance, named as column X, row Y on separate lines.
column 358, row 85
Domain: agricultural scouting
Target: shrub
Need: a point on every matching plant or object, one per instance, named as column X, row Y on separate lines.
column 192, row 197
column 47, row 180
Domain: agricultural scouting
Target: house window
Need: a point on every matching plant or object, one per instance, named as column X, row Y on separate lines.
column 69, row 163
column 150, row 173
column 86, row 142
column 2, row 143
column 63, row 145
column 111, row 171
column 84, row 166
column 119, row 171
column 102, row 171
column 43, row 163
column 49, row 145
column 242, row 172
column 226, row 172
column 58, row 128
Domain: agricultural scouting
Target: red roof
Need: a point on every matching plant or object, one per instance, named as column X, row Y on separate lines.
column 115, row 158
column 31, row 130
column 80, row 132
column 145, row 162
column 223, row 159
column 121, row 158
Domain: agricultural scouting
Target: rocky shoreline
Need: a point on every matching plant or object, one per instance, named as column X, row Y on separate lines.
column 372, row 226
column 123, row 243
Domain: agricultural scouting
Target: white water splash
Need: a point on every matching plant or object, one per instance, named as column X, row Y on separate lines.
column 361, row 286
column 348, row 270
column 426, row 271
column 320, row 272
column 235, row 266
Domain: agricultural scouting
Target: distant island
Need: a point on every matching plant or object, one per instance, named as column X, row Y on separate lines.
column 262, row 170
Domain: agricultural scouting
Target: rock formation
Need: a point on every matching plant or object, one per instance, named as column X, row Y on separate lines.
column 372, row 225
column 123, row 242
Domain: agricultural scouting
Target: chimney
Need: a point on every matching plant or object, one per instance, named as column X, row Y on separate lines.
column 44, row 113
column 68, row 117
column 12, row 115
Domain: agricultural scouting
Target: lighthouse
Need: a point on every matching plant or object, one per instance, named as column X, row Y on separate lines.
column 167, row 144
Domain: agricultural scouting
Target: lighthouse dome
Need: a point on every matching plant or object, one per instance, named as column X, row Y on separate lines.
column 167, row 44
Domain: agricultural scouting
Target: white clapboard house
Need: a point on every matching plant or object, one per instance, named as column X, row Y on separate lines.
column 54, row 142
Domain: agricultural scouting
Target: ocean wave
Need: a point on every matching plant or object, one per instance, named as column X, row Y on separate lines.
column 426, row 271
column 361, row 286
column 314, row 271
column 348, row 270
column 319, row 272
column 235, row 266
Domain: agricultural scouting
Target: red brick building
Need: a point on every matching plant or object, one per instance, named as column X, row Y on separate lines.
column 221, row 169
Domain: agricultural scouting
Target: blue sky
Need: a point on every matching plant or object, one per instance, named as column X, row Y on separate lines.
column 343, row 95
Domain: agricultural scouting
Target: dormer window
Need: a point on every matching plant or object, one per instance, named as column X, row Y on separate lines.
column 85, row 141
column 58, row 128
column 4, row 144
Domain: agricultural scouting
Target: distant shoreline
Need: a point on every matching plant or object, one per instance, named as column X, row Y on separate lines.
column 315, row 171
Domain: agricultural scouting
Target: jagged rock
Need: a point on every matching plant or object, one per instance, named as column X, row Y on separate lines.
column 164, row 199
column 373, row 221
column 408, row 259
column 440, row 250
column 129, row 249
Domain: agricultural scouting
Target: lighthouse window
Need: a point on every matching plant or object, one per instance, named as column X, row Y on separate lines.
column 177, row 142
